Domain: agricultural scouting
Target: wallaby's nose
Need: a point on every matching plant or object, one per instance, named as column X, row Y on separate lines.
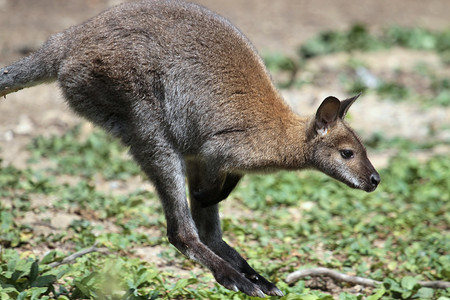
column 375, row 179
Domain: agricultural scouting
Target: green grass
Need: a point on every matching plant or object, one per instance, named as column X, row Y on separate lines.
column 397, row 235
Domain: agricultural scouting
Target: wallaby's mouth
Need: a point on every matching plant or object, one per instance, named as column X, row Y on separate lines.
column 370, row 189
column 368, row 185
column 364, row 187
column 373, row 182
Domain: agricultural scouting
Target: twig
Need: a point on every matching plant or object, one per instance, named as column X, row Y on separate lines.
column 75, row 255
column 435, row 284
column 297, row 275
column 44, row 224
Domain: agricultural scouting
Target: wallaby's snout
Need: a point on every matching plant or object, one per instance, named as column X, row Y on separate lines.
column 360, row 173
column 370, row 181
column 375, row 180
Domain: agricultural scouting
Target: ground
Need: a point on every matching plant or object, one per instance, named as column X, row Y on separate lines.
column 273, row 26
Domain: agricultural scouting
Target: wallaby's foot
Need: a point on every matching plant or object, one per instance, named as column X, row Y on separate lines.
column 263, row 284
column 251, row 284
column 266, row 286
column 235, row 281
column 239, row 264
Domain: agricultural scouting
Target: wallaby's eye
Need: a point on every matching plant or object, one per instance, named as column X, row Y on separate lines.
column 346, row 153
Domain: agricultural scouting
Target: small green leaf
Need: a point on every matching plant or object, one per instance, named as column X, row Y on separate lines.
column 44, row 281
column 425, row 293
column 84, row 289
column 4, row 295
column 34, row 271
column 182, row 283
column 37, row 292
column 377, row 295
column 22, row 296
column 49, row 257
column 309, row 297
column 409, row 282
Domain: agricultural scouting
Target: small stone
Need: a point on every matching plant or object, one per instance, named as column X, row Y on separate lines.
column 25, row 125
column 8, row 136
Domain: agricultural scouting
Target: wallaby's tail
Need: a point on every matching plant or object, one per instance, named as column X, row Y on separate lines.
column 39, row 67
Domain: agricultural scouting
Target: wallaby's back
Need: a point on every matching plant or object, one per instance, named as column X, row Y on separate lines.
column 154, row 59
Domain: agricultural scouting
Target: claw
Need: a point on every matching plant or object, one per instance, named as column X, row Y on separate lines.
column 278, row 292
column 259, row 293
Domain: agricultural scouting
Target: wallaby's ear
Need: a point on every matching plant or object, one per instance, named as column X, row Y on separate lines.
column 345, row 105
column 327, row 114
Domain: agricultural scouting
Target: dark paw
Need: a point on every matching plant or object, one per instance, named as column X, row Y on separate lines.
column 266, row 286
column 235, row 281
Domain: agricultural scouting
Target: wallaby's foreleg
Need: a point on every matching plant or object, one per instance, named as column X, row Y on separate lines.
column 209, row 186
column 209, row 229
column 165, row 167
column 218, row 190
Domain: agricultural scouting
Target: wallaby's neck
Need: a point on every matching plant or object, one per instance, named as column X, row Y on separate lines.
column 291, row 143
column 281, row 144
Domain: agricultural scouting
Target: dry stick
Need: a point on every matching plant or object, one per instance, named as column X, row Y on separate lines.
column 295, row 276
column 74, row 256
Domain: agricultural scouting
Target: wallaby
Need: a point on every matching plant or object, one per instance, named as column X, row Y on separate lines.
column 190, row 96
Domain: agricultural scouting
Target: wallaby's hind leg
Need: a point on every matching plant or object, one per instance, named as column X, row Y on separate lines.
column 208, row 225
column 165, row 167
column 98, row 99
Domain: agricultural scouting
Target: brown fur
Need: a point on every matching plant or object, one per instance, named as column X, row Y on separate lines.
column 190, row 96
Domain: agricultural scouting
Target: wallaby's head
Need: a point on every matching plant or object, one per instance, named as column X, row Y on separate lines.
column 336, row 150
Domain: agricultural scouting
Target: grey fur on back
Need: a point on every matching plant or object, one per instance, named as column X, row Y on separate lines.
column 162, row 54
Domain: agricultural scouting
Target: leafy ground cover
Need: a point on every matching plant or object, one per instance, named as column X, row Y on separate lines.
column 79, row 190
